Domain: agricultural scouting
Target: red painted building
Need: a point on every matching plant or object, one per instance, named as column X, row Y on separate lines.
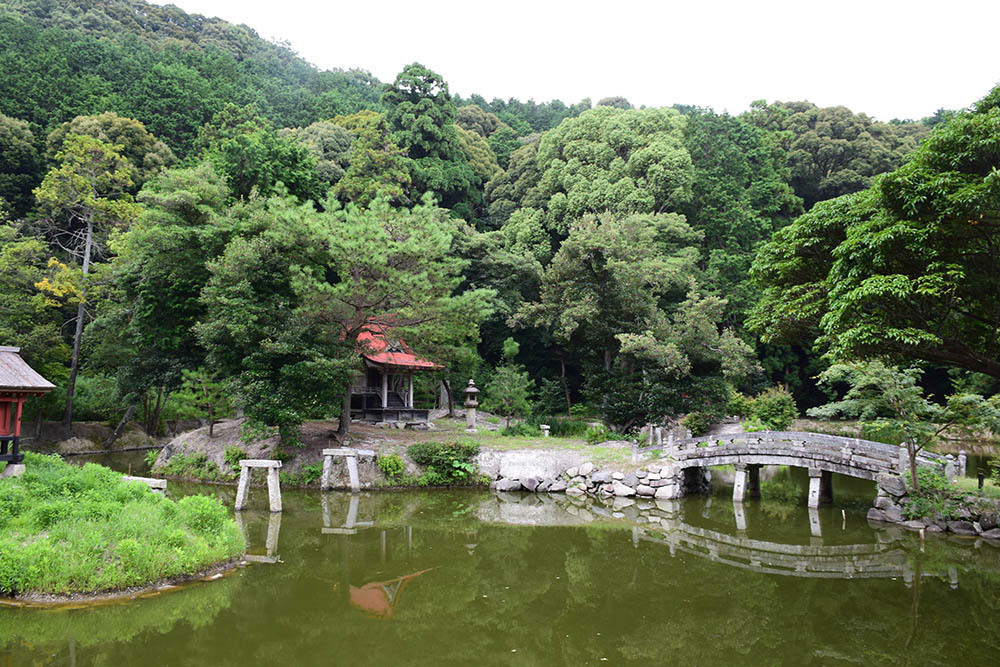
column 384, row 391
column 18, row 382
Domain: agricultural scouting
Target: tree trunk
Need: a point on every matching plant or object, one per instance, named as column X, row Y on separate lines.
column 121, row 426
column 912, row 451
column 451, row 399
column 565, row 385
column 160, row 401
column 67, row 419
column 345, row 411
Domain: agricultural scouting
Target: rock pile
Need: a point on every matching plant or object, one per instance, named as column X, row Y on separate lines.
column 655, row 480
column 973, row 516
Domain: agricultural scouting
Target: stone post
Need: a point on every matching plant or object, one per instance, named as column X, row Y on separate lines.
column 740, row 483
column 545, row 429
column 815, row 475
column 904, row 459
column 324, row 484
column 274, row 489
column 949, row 468
column 962, row 461
column 243, row 489
column 352, row 472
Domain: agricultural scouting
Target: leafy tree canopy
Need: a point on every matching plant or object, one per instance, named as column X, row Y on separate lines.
column 908, row 268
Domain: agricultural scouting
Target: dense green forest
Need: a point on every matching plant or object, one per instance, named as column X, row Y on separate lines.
column 192, row 214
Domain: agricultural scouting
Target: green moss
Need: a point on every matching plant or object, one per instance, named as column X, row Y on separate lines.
column 66, row 529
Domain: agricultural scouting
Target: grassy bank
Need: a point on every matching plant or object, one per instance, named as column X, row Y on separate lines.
column 66, row 529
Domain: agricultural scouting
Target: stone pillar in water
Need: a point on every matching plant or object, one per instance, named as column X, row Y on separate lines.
column 274, row 489
column 815, row 475
column 243, row 489
column 740, row 483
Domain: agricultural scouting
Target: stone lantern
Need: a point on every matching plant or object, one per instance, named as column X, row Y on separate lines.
column 471, row 403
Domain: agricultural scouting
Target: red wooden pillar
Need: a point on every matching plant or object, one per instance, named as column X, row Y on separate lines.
column 17, row 417
column 4, row 416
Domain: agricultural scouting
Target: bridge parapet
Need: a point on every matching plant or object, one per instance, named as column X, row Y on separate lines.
column 820, row 453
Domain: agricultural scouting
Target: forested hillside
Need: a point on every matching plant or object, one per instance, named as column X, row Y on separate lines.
column 190, row 211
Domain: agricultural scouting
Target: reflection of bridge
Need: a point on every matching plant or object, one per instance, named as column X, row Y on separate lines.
column 821, row 454
column 840, row 561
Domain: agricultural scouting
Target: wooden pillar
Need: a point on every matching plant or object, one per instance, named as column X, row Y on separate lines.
column 17, row 417
column 409, row 398
column 4, row 417
column 385, row 388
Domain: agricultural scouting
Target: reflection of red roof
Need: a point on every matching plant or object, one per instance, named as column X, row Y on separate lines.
column 376, row 344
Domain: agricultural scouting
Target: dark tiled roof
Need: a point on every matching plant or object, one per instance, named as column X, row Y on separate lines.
column 15, row 374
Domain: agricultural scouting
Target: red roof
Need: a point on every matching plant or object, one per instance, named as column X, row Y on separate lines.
column 376, row 344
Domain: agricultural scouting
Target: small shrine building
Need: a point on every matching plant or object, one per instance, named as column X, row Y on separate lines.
column 384, row 391
column 18, row 382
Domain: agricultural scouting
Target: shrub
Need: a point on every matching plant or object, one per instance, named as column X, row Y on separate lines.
column 151, row 457
column 447, row 463
column 233, row 456
column 697, row 422
column 195, row 466
column 391, row 465
column 522, row 430
column 739, row 405
column 774, row 409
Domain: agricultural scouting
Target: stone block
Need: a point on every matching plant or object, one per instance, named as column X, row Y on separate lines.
column 657, row 483
column 891, row 484
column 544, row 485
column 645, row 490
column 586, row 468
column 572, row 472
column 530, row 483
column 620, row 489
column 667, row 492
column 617, row 476
column 631, row 479
column 876, row 515
column 558, row 486
column 575, row 491
column 992, row 534
column 641, row 474
column 13, row 470
column 601, row 477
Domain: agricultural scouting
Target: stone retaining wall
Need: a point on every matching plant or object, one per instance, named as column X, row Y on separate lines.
column 974, row 515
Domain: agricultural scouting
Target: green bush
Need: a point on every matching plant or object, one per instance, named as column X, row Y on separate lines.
column 774, row 409
column 391, row 465
column 739, row 405
column 447, row 463
column 697, row 422
column 233, row 456
column 521, row 430
column 193, row 466
column 66, row 529
column 151, row 457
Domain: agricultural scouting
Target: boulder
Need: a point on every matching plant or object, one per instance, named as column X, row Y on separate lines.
column 893, row 514
column 891, row 484
column 641, row 474
column 557, row 486
column 601, row 477
column 876, row 515
column 530, row 483
column 657, row 483
column 572, row 472
column 620, row 489
column 508, row 485
column 885, row 502
column 914, row 524
column 586, row 468
column 961, row 527
column 544, row 485
column 631, row 479
column 618, row 476
column 645, row 490
column 988, row 520
column 992, row 534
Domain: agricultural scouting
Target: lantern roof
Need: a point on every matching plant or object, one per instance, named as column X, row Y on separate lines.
column 17, row 375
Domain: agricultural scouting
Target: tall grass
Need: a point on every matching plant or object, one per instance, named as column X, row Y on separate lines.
column 67, row 529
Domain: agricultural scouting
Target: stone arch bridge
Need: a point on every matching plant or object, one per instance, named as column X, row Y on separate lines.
column 686, row 461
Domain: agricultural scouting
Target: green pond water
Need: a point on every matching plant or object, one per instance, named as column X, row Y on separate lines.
column 472, row 577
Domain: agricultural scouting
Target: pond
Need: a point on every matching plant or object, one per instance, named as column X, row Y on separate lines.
column 460, row 577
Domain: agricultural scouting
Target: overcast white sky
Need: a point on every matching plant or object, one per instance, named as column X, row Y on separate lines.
column 887, row 58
